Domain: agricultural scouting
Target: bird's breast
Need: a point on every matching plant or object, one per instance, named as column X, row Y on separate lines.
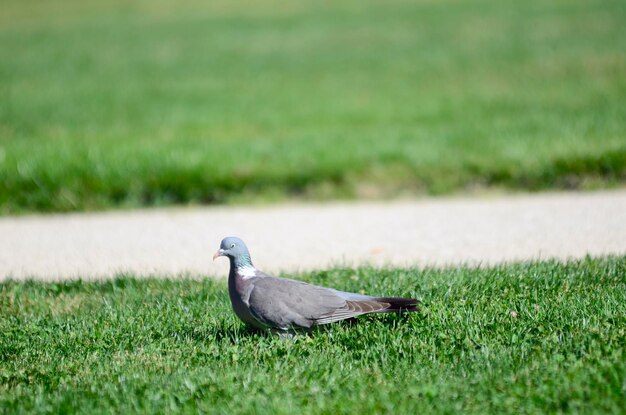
column 239, row 291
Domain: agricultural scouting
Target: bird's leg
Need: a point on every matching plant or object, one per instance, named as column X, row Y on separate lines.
column 284, row 334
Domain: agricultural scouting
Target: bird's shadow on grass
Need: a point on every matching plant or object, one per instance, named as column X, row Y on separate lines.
column 234, row 332
column 387, row 319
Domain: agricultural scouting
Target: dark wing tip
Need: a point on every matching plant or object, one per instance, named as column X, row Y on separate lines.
column 400, row 304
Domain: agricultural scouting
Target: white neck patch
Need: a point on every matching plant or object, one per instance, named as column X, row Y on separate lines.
column 247, row 271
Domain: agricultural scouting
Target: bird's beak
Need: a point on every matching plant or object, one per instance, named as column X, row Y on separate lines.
column 220, row 252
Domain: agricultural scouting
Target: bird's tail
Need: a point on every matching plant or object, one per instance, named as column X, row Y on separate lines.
column 399, row 304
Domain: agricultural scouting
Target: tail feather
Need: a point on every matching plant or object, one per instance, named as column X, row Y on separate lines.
column 399, row 304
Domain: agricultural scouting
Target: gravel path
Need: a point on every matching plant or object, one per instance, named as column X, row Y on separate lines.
column 299, row 237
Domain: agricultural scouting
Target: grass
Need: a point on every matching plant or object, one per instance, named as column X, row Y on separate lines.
column 132, row 103
column 522, row 338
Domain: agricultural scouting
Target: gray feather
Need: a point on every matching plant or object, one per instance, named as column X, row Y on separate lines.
column 283, row 303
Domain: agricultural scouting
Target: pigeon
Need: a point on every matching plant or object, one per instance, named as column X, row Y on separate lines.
column 262, row 301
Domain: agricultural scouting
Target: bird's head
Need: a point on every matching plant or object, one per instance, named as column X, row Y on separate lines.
column 233, row 248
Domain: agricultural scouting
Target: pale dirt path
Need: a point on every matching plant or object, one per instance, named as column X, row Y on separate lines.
column 299, row 237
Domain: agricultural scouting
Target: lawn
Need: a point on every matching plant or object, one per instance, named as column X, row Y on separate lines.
column 131, row 103
column 522, row 338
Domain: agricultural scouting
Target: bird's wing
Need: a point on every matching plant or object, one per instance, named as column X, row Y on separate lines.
column 351, row 309
column 283, row 303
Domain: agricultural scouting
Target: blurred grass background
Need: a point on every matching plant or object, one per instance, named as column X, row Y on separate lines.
column 134, row 103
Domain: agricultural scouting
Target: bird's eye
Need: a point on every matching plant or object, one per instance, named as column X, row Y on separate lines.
column 232, row 246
